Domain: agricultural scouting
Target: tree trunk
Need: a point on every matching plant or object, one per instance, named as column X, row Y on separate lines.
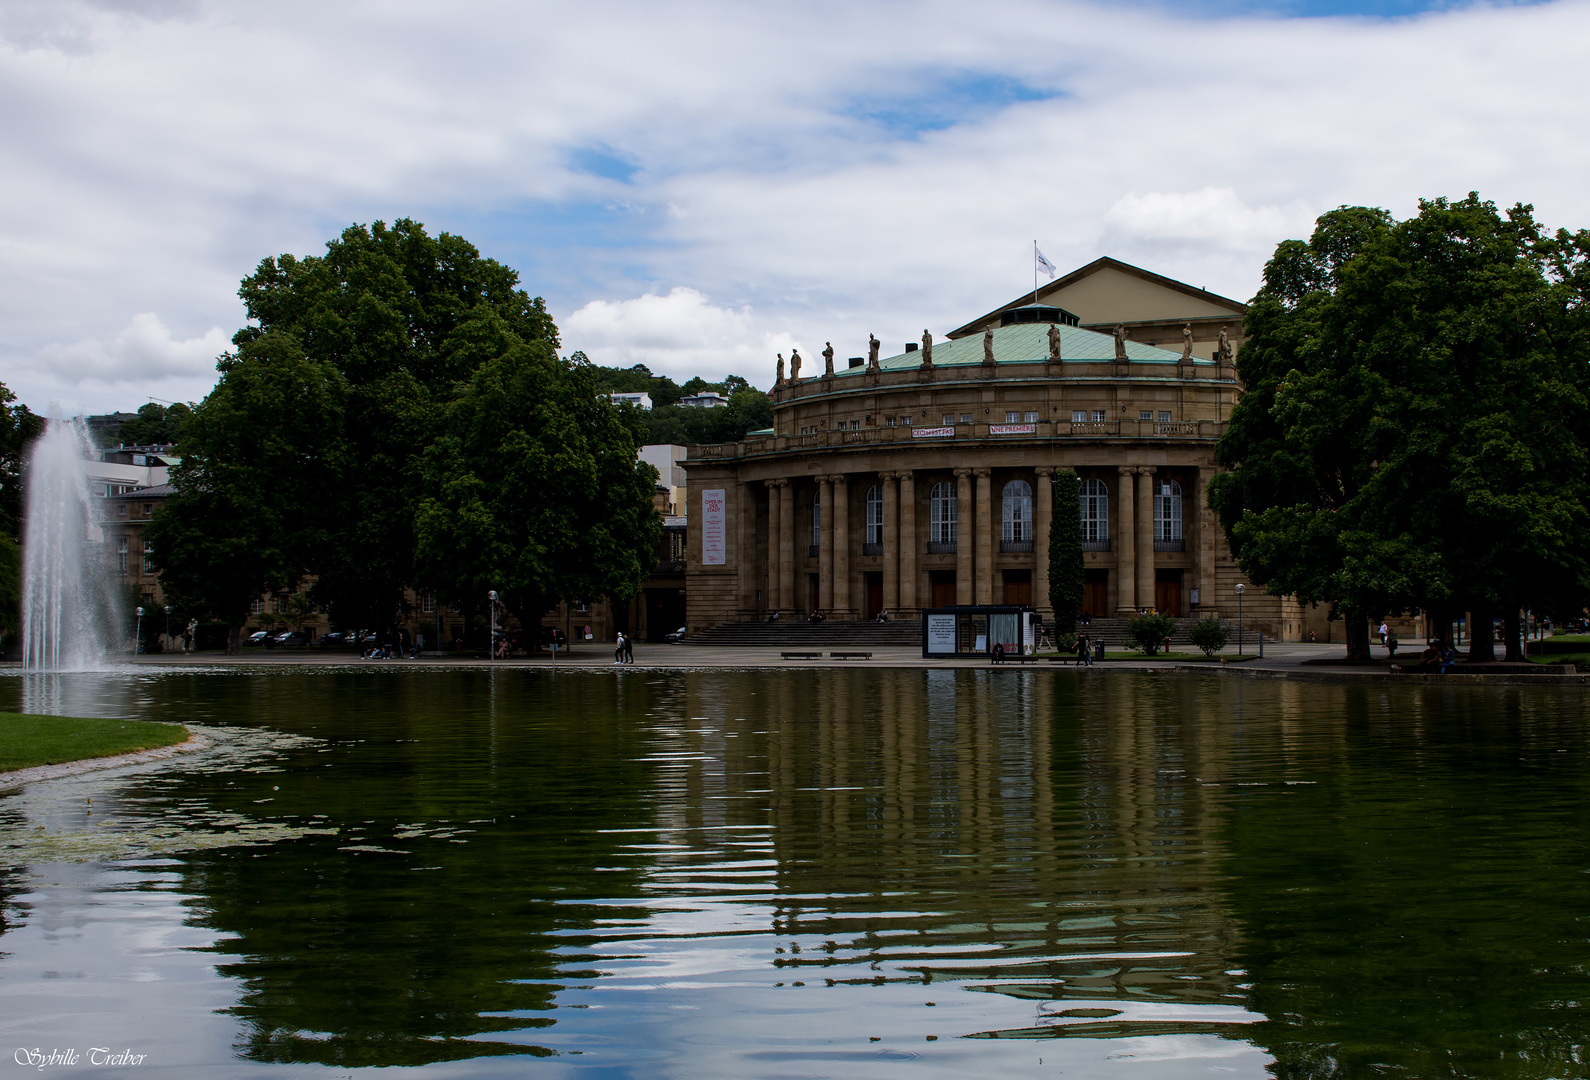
column 1357, row 628
column 1512, row 626
column 233, row 632
column 1440, row 620
column 1482, row 645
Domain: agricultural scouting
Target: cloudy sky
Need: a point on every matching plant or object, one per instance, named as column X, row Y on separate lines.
column 699, row 185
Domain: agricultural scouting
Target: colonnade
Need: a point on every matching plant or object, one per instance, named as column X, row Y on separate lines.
column 978, row 531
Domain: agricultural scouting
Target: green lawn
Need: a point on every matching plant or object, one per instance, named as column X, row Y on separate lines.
column 28, row 740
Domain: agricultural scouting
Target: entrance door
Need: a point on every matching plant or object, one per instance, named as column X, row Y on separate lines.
column 1096, row 593
column 1167, row 592
column 943, row 587
column 813, row 593
column 1018, row 587
column 874, row 593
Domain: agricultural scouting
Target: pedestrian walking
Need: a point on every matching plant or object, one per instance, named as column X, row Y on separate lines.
column 629, row 649
column 618, row 649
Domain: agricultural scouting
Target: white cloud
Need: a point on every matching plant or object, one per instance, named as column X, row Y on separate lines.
column 144, row 351
column 154, row 153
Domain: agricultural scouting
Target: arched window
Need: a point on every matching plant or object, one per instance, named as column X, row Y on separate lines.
column 817, row 518
column 875, row 514
column 942, row 513
column 1095, row 507
column 1016, row 513
column 1167, row 512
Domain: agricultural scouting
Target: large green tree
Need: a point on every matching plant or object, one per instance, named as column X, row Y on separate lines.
column 386, row 308
column 247, row 517
column 18, row 428
column 533, row 488
column 1412, row 429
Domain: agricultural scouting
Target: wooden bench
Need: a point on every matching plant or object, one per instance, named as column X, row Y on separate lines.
column 801, row 655
column 850, row 655
column 1013, row 658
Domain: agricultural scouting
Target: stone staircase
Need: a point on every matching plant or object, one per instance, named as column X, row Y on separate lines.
column 794, row 634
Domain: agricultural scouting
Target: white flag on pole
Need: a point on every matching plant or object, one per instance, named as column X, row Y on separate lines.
column 1044, row 264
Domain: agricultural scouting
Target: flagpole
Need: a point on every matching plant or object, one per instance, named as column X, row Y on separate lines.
column 1035, row 273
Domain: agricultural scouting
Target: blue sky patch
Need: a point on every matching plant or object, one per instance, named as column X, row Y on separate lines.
column 1384, row 9
column 601, row 161
column 957, row 99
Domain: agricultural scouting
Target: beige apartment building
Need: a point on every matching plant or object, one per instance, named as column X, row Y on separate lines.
column 922, row 479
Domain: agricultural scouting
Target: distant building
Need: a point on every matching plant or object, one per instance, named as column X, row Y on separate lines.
column 642, row 401
column 105, row 429
column 710, row 399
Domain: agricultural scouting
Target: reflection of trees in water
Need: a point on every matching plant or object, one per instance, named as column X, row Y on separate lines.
column 1417, row 905
column 364, row 958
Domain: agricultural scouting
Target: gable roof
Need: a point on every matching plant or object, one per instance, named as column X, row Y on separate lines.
column 1212, row 305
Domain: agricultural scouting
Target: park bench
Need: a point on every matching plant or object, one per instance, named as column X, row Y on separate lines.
column 850, row 655
column 801, row 655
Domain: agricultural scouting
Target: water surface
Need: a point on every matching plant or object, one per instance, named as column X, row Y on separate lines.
column 850, row 873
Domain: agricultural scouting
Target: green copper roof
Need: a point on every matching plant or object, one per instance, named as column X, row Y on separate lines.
column 1026, row 343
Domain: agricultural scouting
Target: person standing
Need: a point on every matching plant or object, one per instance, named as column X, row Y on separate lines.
column 1383, row 633
column 618, row 649
column 629, row 649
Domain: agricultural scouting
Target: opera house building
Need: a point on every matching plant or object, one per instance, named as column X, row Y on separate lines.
column 922, row 479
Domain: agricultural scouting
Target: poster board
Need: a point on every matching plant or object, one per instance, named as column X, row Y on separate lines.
column 940, row 634
column 714, row 511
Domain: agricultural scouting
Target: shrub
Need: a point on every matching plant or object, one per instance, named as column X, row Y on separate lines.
column 1209, row 634
column 1066, row 643
column 1148, row 632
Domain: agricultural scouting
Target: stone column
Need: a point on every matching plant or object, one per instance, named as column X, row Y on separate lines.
column 774, row 533
column 841, row 559
column 744, row 544
column 908, row 541
column 1208, row 601
column 892, row 544
column 1145, row 536
column 825, row 545
column 987, row 523
column 786, row 545
column 1125, row 546
column 965, row 536
column 1042, row 510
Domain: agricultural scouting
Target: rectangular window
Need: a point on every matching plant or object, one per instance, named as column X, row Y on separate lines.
column 149, row 510
column 1098, row 416
column 121, row 553
column 149, row 565
column 149, row 547
column 966, row 418
column 906, row 420
column 428, row 602
column 281, row 603
column 1015, row 417
column 1164, row 418
column 1079, row 416
column 255, row 606
column 1032, row 417
column 121, row 510
column 1145, row 414
column 890, row 421
column 949, row 419
column 581, row 606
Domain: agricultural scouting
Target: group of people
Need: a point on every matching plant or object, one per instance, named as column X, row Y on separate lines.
column 624, row 652
column 1084, row 650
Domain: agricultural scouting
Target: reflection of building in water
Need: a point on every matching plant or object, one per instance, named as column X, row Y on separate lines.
column 971, row 824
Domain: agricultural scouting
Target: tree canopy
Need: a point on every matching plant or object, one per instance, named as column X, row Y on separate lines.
column 332, row 425
column 155, row 423
column 1414, row 419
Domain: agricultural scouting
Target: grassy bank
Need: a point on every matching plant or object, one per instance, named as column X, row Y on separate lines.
column 28, row 740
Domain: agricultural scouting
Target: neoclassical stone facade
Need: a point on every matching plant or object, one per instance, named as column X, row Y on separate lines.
column 903, row 483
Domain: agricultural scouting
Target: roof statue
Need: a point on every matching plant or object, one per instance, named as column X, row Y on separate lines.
column 1186, row 343
column 872, row 352
column 1121, row 334
column 828, row 358
column 779, row 381
column 1054, row 343
column 794, row 365
column 988, row 345
column 927, row 349
column 1223, row 349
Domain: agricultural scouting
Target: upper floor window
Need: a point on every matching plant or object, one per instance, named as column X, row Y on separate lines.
column 817, row 517
column 949, row 419
column 875, row 514
column 255, row 606
column 942, row 513
column 1164, row 418
column 1095, row 508
column 1032, row 417
column 149, row 509
column 1167, row 510
column 121, row 510
column 1016, row 513
column 966, row 418
column 1145, row 414
column 1013, row 418
column 1098, row 416
column 428, row 602
column 121, row 553
column 1079, row 416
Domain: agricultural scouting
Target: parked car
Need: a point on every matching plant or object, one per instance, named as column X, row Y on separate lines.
column 257, row 637
column 293, row 637
column 336, row 639
column 675, row 636
column 552, row 635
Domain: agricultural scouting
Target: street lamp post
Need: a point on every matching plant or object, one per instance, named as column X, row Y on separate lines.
column 1239, row 618
column 138, row 634
column 167, row 643
column 492, row 596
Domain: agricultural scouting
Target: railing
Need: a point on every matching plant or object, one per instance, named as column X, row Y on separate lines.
column 1095, row 545
column 1096, row 427
column 1170, row 545
column 1015, row 545
column 941, row 547
column 1176, row 427
column 872, row 549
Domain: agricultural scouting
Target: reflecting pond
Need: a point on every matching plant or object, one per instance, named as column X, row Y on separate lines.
column 868, row 873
